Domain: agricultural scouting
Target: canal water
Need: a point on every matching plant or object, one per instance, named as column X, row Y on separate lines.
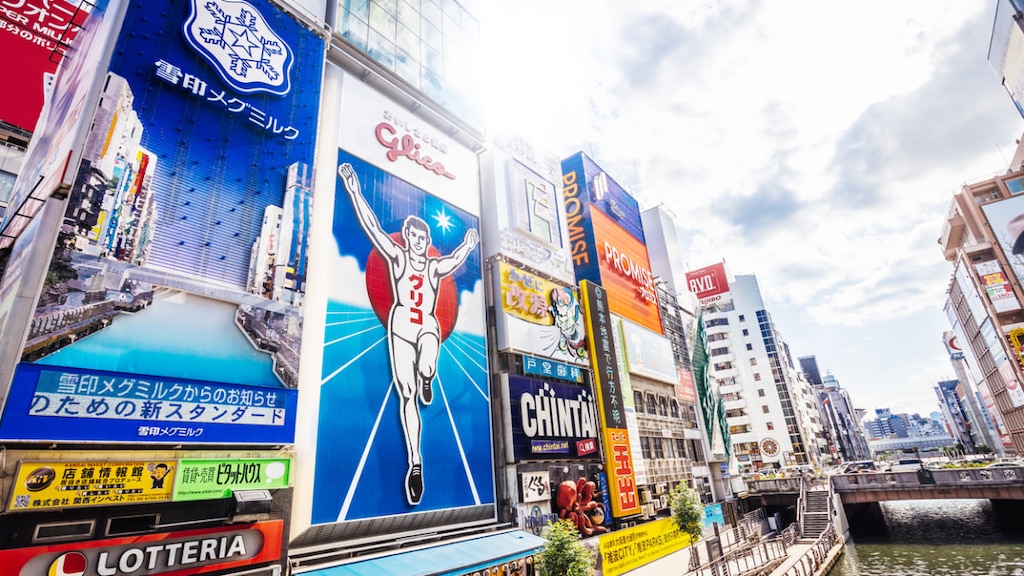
column 937, row 537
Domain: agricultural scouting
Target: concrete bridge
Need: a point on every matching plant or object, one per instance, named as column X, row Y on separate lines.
column 1001, row 483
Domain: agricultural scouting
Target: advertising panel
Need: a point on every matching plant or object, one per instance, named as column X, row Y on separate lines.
column 552, row 421
column 179, row 553
column 626, row 273
column 540, row 317
column 182, row 254
column 999, row 291
column 713, row 515
column 404, row 375
column 211, row 479
column 625, row 550
column 32, row 39
column 709, row 283
column 685, row 389
column 64, row 119
column 618, row 454
column 551, row 369
column 59, row 485
column 989, row 402
column 1006, row 217
column 607, row 241
column 649, row 354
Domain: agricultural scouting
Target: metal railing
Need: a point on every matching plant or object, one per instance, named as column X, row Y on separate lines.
column 814, row 557
column 751, row 556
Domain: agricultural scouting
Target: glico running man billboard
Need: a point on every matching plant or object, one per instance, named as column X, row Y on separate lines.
column 404, row 376
column 172, row 312
column 606, row 237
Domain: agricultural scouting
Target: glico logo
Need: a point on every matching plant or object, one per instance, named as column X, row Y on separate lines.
column 406, row 146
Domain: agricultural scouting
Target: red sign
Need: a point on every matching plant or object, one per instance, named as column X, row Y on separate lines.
column 708, row 281
column 588, row 446
column 407, row 147
column 180, row 553
column 685, row 390
column 33, row 35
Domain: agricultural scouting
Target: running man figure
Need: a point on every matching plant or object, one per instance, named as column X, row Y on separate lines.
column 414, row 335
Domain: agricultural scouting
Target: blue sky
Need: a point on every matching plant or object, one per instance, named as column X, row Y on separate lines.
column 816, row 145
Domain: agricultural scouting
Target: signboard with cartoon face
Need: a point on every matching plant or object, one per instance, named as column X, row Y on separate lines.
column 539, row 316
column 173, row 310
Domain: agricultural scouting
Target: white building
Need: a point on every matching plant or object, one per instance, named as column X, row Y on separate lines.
column 770, row 408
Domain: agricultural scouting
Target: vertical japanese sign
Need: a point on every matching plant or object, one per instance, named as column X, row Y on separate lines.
column 618, row 455
column 33, row 36
column 173, row 308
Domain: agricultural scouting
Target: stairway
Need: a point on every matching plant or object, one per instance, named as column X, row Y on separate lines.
column 817, row 514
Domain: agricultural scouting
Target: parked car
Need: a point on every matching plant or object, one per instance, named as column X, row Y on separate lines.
column 860, row 466
column 905, row 465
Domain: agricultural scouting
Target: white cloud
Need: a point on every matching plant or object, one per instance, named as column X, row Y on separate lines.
column 815, row 144
column 471, row 318
column 347, row 282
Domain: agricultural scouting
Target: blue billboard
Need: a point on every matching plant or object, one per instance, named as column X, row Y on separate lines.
column 404, row 379
column 552, row 421
column 181, row 258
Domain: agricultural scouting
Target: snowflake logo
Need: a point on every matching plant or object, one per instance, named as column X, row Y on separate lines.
column 235, row 38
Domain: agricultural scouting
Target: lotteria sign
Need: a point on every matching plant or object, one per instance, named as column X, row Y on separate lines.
column 180, row 553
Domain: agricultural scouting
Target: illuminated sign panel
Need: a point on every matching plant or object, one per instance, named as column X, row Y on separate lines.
column 606, row 240
column 212, row 479
column 649, row 354
column 157, row 326
column 32, row 38
column 552, row 420
column 996, row 286
column 404, row 358
column 539, row 316
column 57, row 485
column 627, row 549
column 708, row 283
column 179, row 553
column 618, row 455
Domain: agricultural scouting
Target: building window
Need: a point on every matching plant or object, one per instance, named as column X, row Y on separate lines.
column 750, row 347
column 771, row 426
column 674, row 408
column 760, row 392
column 757, row 378
column 723, row 366
column 680, row 448
column 717, row 322
column 645, row 447
column 746, row 332
column 662, row 406
column 652, row 405
column 638, row 401
column 659, row 450
column 753, row 361
column 764, row 409
column 742, row 318
column 719, row 351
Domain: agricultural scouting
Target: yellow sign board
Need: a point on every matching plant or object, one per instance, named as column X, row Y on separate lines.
column 49, row 485
column 625, row 550
column 525, row 295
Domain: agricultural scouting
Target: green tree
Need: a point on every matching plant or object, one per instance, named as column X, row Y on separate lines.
column 565, row 554
column 688, row 514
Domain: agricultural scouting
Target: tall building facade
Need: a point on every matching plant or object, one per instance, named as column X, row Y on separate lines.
column 772, row 413
column 838, row 413
column 980, row 239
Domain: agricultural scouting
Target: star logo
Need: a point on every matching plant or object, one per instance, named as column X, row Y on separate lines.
column 444, row 221
column 235, row 38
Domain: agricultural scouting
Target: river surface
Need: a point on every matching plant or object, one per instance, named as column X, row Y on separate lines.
column 937, row 537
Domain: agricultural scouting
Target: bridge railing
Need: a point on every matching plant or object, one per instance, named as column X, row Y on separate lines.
column 942, row 477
